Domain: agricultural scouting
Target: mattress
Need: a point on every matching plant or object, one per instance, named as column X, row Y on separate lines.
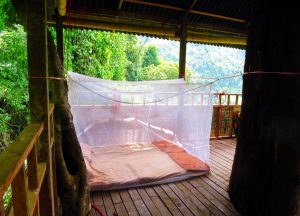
column 133, row 165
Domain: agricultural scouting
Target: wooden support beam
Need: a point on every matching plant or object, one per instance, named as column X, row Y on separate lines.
column 32, row 169
column 190, row 8
column 169, row 32
column 183, row 10
column 216, row 34
column 115, row 16
column 120, row 4
column 182, row 50
column 2, row 211
column 36, row 11
column 19, row 194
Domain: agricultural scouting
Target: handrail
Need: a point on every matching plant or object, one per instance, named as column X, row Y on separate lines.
column 224, row 115
column 12, row 159
column 27, row 184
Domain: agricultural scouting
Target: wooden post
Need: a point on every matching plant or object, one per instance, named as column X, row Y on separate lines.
column 19, row 194
column 182, row 50
column 59, row 37
column 2, row 211
column 36, row 11
column 32, row 169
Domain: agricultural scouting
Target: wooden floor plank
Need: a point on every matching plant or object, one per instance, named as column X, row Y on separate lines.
column 108, row 204
column 216, row 187
column 161, row 206
column 218, row 181
column 193, row 208
column 115, row 197
column 121, row 210
column 138, row 202
column 167, row 201
column 221, row 162
column 203, row 195
column 203, row 199
column 211, row 198
column 97, row 200
column 128, row 203
column 177, row 201
column 149, row 203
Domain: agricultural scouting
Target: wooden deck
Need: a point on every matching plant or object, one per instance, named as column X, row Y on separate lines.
column 204, row 195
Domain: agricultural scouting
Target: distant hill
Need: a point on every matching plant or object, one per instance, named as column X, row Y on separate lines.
column 206, row 61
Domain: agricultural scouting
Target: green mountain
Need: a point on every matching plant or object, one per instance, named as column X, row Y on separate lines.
column 206, row 61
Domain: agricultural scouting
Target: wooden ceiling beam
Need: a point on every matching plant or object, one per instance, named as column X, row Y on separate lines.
column 190, row 8
column 164, row 32
column 191, row 37
column 120, row 4
column 149, row 30
column 117, row 16
column 184, row 10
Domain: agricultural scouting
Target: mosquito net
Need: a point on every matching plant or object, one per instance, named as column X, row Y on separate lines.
column 140, row 133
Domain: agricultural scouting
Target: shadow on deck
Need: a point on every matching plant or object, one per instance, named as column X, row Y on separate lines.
column 204, row 195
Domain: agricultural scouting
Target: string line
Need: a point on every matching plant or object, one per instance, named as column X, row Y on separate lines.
column 271, row 73
column 46, row 77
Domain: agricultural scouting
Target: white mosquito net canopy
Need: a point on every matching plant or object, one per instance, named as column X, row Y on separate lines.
column 141, row 133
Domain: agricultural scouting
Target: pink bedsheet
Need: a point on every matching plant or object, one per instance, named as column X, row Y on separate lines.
column 124, row 166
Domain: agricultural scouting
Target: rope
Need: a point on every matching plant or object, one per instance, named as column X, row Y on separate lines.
column 93, row 206
column 156, row 101
column 271, row 73
column 46, row 77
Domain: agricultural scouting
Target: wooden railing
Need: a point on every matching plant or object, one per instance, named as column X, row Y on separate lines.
column 226, row 106
column 28, row 167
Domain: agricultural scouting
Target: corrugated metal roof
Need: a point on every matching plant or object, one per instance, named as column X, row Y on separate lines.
column 221, row 18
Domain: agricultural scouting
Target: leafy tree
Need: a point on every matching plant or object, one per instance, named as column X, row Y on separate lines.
column 7, row 14
column 133, row 51
column 13, row 83
column 95, row 53
column 150, row 56
column 164, row 71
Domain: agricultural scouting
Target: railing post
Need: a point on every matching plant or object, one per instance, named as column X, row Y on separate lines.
column 36, row 11
column 32, row 169
column 231, row 122
column 228, row 99
column 19, row 194
column 2, row 212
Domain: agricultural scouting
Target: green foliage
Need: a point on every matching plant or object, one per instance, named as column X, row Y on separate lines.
column 133, row 51
column 95, row 53
column 206, row 61
column 13, row 83
column 8, row 16
column 150, row 56
column 164, row 71
column 114, row 56
column 7, row 197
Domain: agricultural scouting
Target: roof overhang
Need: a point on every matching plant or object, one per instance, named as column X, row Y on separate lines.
column 205, row 23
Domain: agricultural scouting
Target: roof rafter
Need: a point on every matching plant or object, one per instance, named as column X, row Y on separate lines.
column 109, row 16
column 190, row 8
column 120, row 4
column 184, row 10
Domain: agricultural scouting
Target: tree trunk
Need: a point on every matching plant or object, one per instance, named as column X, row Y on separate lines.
column 71, row 170
column 265, row 173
